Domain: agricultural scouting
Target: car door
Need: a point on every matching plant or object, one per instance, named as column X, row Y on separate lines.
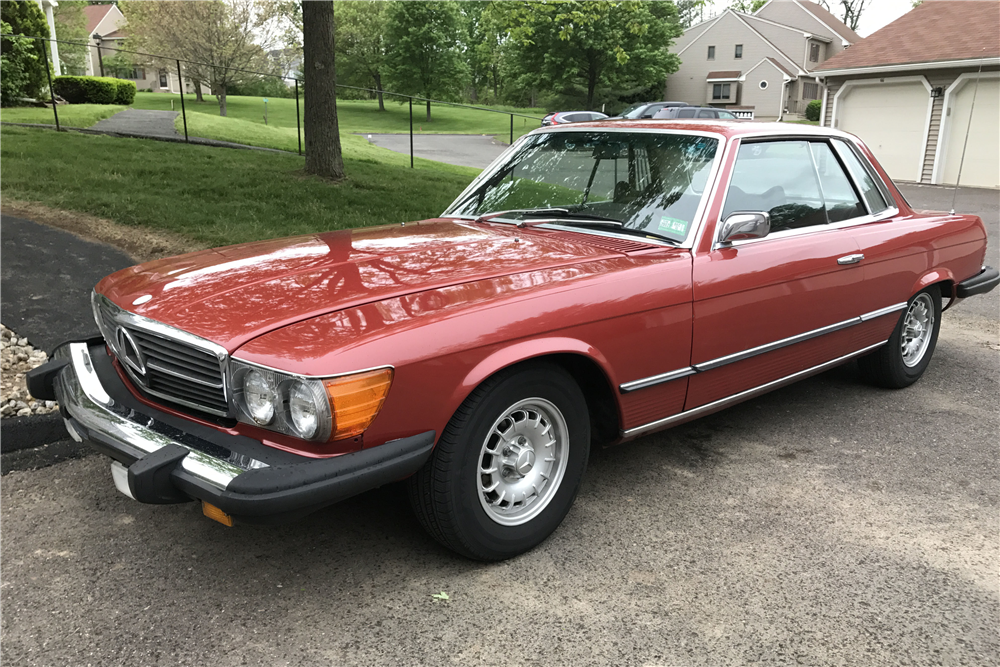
column 768, row 308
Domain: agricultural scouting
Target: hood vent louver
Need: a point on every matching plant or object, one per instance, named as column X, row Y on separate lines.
column 606, row 242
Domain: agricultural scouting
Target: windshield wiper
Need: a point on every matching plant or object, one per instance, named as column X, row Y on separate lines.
column 524, row 211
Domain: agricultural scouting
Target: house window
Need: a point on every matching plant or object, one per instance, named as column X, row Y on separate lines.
column 810, row 91
column 739, row 51
column 711, row 53
column 137, row 74
column 720, row 91
column 763, row 85
column 814, row 52
column 163, row 78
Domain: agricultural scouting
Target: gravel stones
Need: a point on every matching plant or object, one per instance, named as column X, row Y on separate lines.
column 17, row 357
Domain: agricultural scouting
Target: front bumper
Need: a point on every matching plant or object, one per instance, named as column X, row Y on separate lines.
column 171, row 459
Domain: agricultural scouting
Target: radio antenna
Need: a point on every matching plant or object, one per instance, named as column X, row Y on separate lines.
column 968, row 128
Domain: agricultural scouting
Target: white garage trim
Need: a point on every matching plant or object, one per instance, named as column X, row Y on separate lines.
column 822, row 111
column 942, row 145
column 890, row 80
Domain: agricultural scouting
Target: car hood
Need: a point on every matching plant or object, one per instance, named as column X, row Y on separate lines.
column 233, row 294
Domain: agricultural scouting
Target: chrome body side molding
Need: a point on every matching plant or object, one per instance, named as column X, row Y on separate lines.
column 642, row 383
column 744, row 395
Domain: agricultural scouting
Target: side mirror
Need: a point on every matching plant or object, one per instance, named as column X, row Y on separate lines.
column 743, row 225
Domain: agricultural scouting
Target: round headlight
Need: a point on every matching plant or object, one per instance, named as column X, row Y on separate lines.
column 260, row 396
column 303, row 410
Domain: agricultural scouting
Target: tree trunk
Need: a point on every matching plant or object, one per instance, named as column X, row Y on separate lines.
column 428, row 111
column 323, row 154
column 378, row 87
column 221, row 96
column 591, row 86
column 197, row 90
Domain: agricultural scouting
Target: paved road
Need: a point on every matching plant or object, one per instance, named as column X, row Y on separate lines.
column 47, row 276
column 829, row 523
column 467, row 150
column 141, row 122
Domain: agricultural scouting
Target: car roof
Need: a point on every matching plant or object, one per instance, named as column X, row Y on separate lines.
column 726, row 128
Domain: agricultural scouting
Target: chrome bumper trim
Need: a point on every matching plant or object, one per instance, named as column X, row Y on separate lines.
column 80, row 392
column 744, row 395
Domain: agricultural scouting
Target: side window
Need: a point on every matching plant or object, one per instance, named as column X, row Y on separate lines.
column 706, row 113
column 651, row 110
column 686, row 113
column 778, row 178
column 871, row 193
column 842, row 202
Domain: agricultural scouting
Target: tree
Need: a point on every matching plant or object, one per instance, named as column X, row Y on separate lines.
column 71, row 26
column 220, row 40
column 690, row 12
column 16, row 62
column 424, row 57
column 850, row 10
column 323, row 154
column 25, row 55
column 361, row 41
column 592, row 51
column 747, row 6
column 484, row 38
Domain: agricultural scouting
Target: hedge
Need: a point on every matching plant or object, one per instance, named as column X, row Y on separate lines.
column 94, row 89
column 813, row 109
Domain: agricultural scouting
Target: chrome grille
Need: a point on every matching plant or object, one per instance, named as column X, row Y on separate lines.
column 165, row 362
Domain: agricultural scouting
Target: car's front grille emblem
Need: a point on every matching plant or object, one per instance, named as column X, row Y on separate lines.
column 131, row 354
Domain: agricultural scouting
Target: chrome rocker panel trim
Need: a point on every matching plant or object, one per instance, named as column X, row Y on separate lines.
column 80, row 392
column 754, row 351
column 744, row 395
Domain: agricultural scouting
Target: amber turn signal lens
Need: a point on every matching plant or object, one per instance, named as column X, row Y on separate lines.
column 213, row 512
column 356, row 400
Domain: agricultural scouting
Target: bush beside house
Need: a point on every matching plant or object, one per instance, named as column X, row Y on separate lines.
column 813, row 109
column 23, row 59
column 94, row 90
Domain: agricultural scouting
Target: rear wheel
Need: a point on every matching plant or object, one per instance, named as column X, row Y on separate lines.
column 507, row 468
column 904, row 358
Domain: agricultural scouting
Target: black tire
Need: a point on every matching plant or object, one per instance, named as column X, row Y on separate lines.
column 887, row 366
column 445, row 493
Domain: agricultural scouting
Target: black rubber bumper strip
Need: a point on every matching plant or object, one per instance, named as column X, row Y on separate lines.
column 981, row 283
column 286, row 491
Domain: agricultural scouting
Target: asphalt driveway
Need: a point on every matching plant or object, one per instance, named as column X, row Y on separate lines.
column 827, row 523
column 467, row 150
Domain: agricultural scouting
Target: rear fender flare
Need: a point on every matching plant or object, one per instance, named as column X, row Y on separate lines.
column 934, row 276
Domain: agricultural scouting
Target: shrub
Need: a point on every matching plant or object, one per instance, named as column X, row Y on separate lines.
column 16, row 61
column 87, row 89
column 813, row 109
column 125, row 94
column 24, row 59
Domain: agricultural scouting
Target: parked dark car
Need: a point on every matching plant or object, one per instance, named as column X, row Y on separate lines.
column 648, row 109
column 563, row 117
column 673, row 113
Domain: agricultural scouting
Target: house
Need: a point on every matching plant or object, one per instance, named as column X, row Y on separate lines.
column 105, row 33
column 923, row 91
column 760, row 65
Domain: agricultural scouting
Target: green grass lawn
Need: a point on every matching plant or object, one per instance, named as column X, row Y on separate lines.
column 70, row 115
column 219, row 196
column 355, row 116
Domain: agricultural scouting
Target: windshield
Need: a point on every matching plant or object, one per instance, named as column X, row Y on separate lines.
column 648, row 182
column 632, row 111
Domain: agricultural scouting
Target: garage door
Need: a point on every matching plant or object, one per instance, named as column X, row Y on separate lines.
column 891, row 118
column 982, row 156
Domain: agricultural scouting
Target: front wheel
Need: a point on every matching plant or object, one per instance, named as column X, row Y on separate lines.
column 904, row 358
column 507, row 468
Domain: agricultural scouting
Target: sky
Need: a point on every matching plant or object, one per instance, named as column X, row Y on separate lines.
column 877, row 14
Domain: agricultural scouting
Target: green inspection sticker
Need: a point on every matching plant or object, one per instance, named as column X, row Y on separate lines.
column 668, row 224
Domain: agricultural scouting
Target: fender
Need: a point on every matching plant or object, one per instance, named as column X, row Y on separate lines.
column 531, row 349
column 937, row 275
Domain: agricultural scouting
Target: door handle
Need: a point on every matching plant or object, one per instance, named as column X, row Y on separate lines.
column 850, row 259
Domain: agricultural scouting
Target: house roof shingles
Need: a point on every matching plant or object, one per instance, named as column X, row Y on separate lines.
column 95, row 14
column 779, row 66
column 831, row 21
column 725, row 74
column 936, row 30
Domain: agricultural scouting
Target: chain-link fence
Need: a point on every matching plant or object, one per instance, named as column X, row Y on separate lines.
column 185, row 72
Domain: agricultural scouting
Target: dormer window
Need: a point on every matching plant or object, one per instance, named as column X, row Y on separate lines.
column 813, row 52
column 711, row 53
column 739, row 51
